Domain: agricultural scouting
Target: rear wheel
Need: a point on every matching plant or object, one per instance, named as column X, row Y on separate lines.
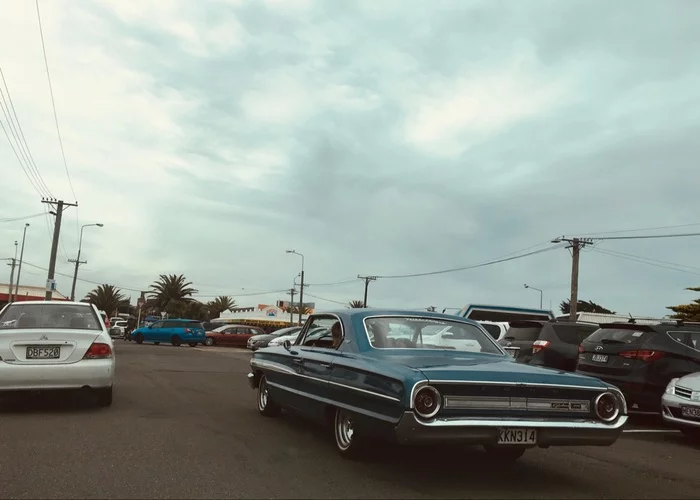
column 176, row 341
column 266, row 406
column 348, row 443
column 192, row 344
column 104, row 397
column 209, row 341
column 510, row 454
column 139, row 339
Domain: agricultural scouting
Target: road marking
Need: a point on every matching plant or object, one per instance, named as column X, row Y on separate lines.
column 650, row 431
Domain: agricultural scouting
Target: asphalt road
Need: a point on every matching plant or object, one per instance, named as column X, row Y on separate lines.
column 184, row 424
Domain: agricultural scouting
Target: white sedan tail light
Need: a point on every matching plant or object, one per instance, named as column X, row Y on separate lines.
column 98, row 350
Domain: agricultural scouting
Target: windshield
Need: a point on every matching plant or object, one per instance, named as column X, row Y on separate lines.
column 50, row 315
column 409, row 332
column 620, row 336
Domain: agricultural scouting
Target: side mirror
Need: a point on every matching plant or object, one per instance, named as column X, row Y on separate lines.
column 287, row 345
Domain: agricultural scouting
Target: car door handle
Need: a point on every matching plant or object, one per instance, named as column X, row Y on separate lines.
column 326, row 365
column 298, row 361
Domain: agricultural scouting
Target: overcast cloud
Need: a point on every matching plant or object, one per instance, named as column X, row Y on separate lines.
column 375, row 137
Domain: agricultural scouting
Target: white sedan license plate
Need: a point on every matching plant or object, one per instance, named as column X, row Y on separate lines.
column 690, row 411
column 600, row 358
column 517, row 436
column 41, row 352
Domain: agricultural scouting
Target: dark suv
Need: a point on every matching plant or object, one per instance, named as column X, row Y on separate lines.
column 641, row 359
column 553, row 344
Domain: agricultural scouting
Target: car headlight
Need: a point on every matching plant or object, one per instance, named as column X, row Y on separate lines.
column 671, row 387
column 607, row 406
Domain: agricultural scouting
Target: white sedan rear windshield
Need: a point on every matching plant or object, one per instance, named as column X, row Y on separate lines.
column 48, row 316
column 392, row 332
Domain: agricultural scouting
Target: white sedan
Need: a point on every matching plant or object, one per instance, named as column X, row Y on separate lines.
column 680, row 404
column 54, row 345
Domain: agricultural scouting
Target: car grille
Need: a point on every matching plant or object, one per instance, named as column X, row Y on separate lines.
column 496, row 400
column 682, row 392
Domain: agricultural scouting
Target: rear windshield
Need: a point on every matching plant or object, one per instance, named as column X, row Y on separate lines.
column 49, row 316
column 573, row 334
column 494, row 330
column 524, row 333
column 620, row 335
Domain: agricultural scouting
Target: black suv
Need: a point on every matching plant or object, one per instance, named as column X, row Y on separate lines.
column 641, row 359
column 553, row 344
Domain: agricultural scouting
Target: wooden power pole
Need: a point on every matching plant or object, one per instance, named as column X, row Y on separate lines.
column 367, row 280
column 59, row 206
column 576, row 244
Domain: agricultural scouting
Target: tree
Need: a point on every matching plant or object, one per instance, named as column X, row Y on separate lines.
column 687, row 312
column 107, row 298
column 356, row 304
column 170, row 293
column 220, row 304
column 587, row 306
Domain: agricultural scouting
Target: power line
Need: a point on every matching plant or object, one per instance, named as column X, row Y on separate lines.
column 53, row 102
column 474, row 266
column 599, row 250
column 643, row 229
column 335, row 283
column 327, row 300
column 24, row 217
column 623, row 254
column 23, row 145
column 643, row 237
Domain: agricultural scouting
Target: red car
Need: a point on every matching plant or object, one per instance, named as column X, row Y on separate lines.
column 232, row 335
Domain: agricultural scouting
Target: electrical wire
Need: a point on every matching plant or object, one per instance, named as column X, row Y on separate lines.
column 24, row 217
column 623, row 254
column 327, row 300
column 19, row 133
column 27, row 173
column 53, row 102
column 645, row 237
column 599, row 250
column 643, row 229
column 335, row 283
column 474, row 266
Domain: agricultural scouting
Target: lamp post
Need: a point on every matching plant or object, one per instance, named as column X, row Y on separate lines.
column 533, row 288
column 77, row 261
column 12, row 275
column 21, row 257
column 301, row 289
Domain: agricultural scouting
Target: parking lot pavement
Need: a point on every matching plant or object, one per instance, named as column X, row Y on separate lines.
column 184, row 425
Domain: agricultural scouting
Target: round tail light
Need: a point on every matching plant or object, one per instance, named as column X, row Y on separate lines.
column 427, row 402
column 607, row 406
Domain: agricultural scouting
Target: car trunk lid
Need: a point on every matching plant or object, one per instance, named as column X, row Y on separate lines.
column 615, row 349
column 520, row 337
column 49, row 346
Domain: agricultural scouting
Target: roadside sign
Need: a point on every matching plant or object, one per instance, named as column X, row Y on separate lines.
column 50, row 285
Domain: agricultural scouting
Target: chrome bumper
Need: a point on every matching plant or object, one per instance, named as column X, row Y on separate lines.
column 485, row 431
column 671, row 401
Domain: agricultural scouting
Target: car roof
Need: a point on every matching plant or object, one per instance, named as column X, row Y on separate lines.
column 183, row 320
column 367, row 313
column 51, row 302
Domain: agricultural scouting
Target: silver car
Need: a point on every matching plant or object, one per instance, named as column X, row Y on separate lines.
column 680, row 404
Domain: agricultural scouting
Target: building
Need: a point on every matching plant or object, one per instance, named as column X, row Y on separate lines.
column 26, row 292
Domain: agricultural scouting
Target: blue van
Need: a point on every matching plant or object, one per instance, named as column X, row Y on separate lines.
column 175, row 331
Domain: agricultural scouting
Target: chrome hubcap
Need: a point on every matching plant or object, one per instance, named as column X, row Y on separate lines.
column 344, row 430
column 262, row 399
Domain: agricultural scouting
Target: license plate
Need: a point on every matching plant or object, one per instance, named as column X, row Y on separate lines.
column 517, row 436
column 600, row 358
column 690, row 411
column 513, row 351
column 43, row 352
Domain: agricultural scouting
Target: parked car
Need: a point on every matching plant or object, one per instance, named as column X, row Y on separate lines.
column 553, row 344
column 641, row 359
column 118, row 329
column 232, row 335
column 680, row 404
column 55, row 345
column 407, row 390
column 279, row 340
column 105, row 319
column 175, row 331
column 497, row 329
column 259, row 341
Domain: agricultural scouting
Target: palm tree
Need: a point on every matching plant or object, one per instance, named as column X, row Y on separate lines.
column 170, row 292
column 192, row 309
column 356, row 304
column 220, row 304
column 107, row 298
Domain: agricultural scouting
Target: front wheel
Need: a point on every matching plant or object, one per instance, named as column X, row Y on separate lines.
column 348, row 443
column 209, row 341
column 176, row 341
column 139, row 339
column 266, row 406
column 505, row 454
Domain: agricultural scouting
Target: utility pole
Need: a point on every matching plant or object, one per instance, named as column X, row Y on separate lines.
column 21, row 258
column 576, row 244
column 292, row 291
column 367, row 280
column 12, row 275
column 59, row 206
column 77, row 262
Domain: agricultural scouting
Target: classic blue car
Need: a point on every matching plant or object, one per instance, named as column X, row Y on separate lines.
column 422, row 377
column 175, row 331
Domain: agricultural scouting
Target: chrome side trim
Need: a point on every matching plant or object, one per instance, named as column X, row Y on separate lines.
column 522, row 422
column 522, row 404
column 278, row 367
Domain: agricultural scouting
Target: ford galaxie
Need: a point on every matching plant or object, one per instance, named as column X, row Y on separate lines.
column 425, row 377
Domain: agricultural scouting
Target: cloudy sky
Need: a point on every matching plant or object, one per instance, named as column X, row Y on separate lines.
column 381, row 137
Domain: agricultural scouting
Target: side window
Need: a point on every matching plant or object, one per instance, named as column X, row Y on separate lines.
column 320, row 333
column 157, row 324
column 688, row 339
column 172, row 324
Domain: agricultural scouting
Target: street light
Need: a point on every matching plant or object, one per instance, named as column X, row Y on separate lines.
column 21, row 257
column 12, row 275
column 77, row 261
column 301, row 290
column 533, row 288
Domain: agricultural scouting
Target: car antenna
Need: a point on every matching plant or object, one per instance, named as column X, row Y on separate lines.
column 631, row 320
